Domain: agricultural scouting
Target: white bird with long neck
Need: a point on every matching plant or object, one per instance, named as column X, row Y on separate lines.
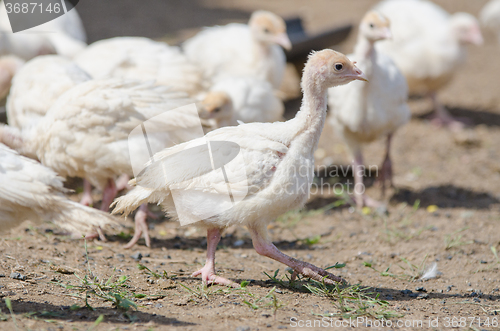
column 241, row 49
column 141, row 59
column 278, row 163
column 30, row 191
column 362, row 113
column 428, row 46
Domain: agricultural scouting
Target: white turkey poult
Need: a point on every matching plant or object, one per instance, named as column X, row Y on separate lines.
column 30, row 191
column 277, row 162
column 364, row 112
column 490, row 16
column 64, row 35
column 428, row 46
column 241, row 49
column 241, row 98
column 86, row 132
column 142, row 59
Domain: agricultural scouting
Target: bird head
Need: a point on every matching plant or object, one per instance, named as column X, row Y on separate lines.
column 328, row 68
column 216, row 105
column 269, row 28
column 375, row 26
column 466, row 28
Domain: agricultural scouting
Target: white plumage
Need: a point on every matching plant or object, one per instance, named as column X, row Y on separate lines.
column 30, row 191
column 427, row 42
column 490, row 16
column 247, row 98
column 427, row 45
column 141, row 59
column 364, row 112
column 9, row 66
column 277, row 159
column 85, row 133
column 36, row 87
column 240, row 49
column 64, row 35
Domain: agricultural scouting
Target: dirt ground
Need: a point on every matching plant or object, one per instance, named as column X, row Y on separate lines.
column 444, row 210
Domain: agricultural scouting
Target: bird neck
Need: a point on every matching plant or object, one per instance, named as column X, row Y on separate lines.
column 310, row 119
column 364, row 48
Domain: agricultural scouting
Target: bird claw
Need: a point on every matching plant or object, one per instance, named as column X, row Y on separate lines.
column 96, row 234
column 318, row 274
column 141, row 228
column 209, row 277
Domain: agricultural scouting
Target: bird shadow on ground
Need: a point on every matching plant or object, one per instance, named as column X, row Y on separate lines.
column 472, row 117
column 43, row 311
column 446, row 196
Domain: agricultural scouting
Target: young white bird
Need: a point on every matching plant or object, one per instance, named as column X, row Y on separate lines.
column 242, row 98
column 86, row 132
column 31, row 191
column 240, row 49
column 37, row 85
column 142, row 59
column 364, row 112
column 490, row 16
column 278, row 163
column 64, row 35
column 428, row 47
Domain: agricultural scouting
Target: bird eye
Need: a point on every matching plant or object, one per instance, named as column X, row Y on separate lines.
column 216, row 110
column 372, row 26
column 339, row 66
column 266, row 30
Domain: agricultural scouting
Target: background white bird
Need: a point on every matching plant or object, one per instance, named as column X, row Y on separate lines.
column 64, row 35
column 490, row 16
column 142, row 59
column 364, row 112
column 241, row 49
column 30, row 191
column 428, row 46
column 277, row 160
column 37, row 85
column 242, row 98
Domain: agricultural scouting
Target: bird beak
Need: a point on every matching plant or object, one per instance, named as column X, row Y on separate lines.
column 387, row 34
column 359, row 75
column 283, row 40
column 476, row 38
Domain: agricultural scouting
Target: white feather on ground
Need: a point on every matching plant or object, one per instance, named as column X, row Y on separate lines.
column 37, row 85
column 30, row 191
column 241, row 49
column 141, row 59
column 490, row 16
column 64, row 35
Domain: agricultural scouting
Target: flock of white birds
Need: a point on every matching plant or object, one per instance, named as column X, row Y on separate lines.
column 71, row 115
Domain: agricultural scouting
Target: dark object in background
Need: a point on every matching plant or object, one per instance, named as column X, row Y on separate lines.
column 303, row 44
